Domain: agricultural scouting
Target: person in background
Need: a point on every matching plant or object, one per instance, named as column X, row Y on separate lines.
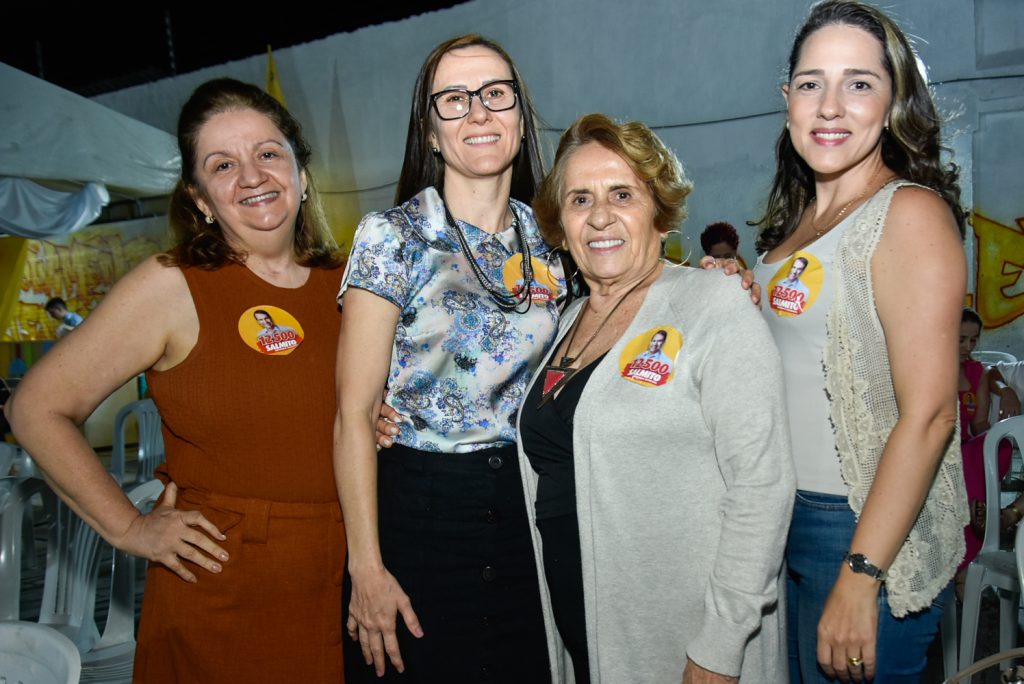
column 68, row 320
column 721, row 241
column 975, row 394
column 863, row 205
column 1006, row 386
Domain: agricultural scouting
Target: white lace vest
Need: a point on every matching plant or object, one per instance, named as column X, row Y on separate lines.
column 863, row 410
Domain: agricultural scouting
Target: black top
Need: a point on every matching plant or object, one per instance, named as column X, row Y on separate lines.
column 547, row 441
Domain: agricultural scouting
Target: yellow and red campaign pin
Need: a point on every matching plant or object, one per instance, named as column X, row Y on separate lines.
column 649, row 359
column 270, row 330
column 544, row 287
column 796, row 284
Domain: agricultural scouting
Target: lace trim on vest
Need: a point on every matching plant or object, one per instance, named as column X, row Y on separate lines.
column 863, row 412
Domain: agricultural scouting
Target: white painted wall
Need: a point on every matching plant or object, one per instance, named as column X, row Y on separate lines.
column 705, row 75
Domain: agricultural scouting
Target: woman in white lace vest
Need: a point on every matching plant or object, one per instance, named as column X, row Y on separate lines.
column 866, row 329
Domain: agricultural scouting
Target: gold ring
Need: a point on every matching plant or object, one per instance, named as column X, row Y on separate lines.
column 855, row 661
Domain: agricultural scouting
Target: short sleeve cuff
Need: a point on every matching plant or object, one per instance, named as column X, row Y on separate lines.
column 377, row 262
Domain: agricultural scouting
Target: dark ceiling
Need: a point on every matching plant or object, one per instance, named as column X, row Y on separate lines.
column 96, row 52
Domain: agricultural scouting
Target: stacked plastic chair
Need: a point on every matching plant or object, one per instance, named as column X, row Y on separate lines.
column 73, row 559
column 110, row 658
column 151, row 441
column 8, row 452
column 16, row 546
column 992, row 567
column 35, row 654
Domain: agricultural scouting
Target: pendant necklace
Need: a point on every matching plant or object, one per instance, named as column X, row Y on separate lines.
column 505, row 300
column 872, row 185
column 556, row 376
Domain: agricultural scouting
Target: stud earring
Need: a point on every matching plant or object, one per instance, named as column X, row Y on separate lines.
column 210, row 219
column 435, row 150
column 305, row 196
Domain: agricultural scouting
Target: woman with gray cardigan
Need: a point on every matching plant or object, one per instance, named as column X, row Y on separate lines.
column 657, row 469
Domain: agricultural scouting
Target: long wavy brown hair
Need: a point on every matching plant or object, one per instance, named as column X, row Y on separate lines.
column 911, row 146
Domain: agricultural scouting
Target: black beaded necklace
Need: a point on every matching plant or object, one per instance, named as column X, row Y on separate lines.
column 506, row 301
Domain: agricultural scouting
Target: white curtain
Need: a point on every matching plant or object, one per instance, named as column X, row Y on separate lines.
column 29, row 210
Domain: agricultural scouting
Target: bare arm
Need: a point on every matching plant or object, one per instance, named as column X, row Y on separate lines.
column 919, row 276
column 695, row 674
column 367, row 336
column 980, row 422
column 1009, row 402
column 146, row 320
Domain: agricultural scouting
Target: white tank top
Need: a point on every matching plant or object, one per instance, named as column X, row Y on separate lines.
column 799, row 291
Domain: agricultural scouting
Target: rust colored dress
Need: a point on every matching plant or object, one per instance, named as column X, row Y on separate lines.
column 247, row 423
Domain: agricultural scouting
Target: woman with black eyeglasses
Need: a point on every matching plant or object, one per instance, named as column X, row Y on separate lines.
column 450, row 304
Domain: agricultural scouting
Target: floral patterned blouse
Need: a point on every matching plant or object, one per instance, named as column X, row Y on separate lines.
column 460, row 364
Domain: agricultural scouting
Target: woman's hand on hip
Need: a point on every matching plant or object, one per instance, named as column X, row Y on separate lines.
column 170, row 535
column 732, row 267
column 848, row 629
column 695, row 674
column 376, row 598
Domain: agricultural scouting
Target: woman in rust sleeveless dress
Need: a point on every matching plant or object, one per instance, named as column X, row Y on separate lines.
column 237, row 332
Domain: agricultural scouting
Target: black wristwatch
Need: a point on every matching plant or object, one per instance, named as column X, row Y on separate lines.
column 859, row 563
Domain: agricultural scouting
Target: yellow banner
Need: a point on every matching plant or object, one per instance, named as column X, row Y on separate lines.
column 1000, row 287
column 12, row 262
column 273, row 80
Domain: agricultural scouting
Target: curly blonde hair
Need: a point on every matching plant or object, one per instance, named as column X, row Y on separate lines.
column 645, row 153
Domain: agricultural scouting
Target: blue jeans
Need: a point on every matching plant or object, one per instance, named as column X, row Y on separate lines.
column 819, row 536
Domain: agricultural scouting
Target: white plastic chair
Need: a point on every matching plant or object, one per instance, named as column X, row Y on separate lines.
column 23, row 466
column 992, row 567
column 112, row 657
column 1018, row 549
column 69, row 594
column 990, row 358
column 69, row 589
column 8, row 452
column 35, row 654
column 14, row 543
column 151, row 441
column 9, row 457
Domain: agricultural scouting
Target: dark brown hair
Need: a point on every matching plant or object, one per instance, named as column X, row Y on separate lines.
column 422, row 168
column 719, row 232
column 911, row 146
column 652, row 162
column 969, row 315
column 203, row 245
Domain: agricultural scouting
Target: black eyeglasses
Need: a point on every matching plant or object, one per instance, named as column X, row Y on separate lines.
column 455, row 103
